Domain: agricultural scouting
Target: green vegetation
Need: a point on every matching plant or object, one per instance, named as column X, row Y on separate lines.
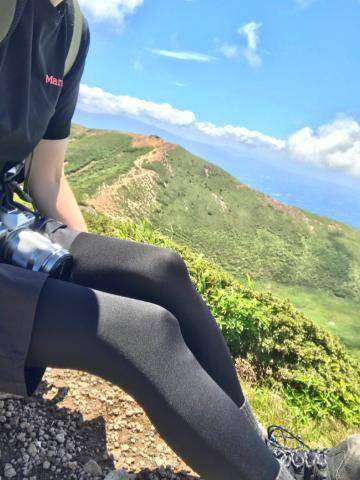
column 317, row 433
column 291, row 356
column 340, row 316
column 98, row 159
column 313, row 261
column 247, row 232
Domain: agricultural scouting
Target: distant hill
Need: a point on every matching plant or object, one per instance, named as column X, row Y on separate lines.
column 313, row 260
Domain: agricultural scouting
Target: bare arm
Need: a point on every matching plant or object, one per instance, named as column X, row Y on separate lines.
column 49, row 187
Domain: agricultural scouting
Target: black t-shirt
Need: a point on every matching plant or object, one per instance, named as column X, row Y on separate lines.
column 36, row 99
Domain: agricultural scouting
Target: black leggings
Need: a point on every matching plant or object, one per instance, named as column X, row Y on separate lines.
column 131, row 315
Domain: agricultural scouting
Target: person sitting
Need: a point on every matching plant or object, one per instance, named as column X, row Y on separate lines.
column 129, row 312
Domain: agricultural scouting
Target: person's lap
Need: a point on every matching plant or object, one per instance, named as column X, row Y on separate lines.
column 20, row 290
column 125, row 267
column 130, row 269
column 23, row 292
column 156, row 275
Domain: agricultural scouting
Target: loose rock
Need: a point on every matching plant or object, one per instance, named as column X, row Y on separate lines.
column 79, row 427
column 92, row 468
column 119, row 475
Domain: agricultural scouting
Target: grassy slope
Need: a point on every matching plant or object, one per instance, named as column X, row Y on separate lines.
column 262, row 238
column 340, row 316
column 96, row 158
column 310, row 259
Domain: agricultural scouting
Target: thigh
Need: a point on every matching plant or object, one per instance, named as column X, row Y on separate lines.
column 80, row 327
column 123, row 267
column 49, row 322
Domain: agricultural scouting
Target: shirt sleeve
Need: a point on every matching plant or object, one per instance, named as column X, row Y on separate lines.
column 59, row 125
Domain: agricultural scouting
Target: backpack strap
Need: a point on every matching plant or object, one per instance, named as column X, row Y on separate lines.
column 10, row 10
column 7, row 16
column 76, row 21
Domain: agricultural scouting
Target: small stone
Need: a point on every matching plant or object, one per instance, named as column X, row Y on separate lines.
column 46, row 465
column 9, row 471
column 72, row 465
column 92, row 468
column 119, row 475
column 159, row 461
column 26, row 457
column 60, row 437
column 32, row 450
column 21, row 437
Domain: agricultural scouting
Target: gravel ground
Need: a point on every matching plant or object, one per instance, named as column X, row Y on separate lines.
column 79, row 427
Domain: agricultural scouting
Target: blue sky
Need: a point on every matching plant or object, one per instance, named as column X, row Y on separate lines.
column 309, row 72
column 273, row 81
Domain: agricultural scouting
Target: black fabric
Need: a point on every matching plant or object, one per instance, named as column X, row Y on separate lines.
column 37, row 101
column 139, row 346
column 64, row 236
column 19, row 293
column 159, row 276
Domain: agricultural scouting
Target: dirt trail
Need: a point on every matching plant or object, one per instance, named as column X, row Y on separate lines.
column 116, row 200
column 82, row 169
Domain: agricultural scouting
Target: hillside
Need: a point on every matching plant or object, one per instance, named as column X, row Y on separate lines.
column 313, row 260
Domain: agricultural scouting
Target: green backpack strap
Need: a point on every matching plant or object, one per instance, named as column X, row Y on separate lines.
column 76, row 36
column 77, row 20
column 7, row 15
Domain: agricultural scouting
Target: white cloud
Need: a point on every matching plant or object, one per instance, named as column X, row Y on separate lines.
column 96, row 100
column 116, row 10
column 335, row 145
column 183, row 55
column 229, row 50
column 250, row 52
column 240, row 135
column 251, row 32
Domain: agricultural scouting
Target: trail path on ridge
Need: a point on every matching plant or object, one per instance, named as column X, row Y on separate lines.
column 116, row 200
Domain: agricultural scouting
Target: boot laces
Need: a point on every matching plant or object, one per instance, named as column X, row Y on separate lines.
column 301, row 458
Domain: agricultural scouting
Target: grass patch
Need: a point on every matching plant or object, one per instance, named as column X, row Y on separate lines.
column 317, row 433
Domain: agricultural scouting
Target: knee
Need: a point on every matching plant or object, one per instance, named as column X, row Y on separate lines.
column 164, row 325
column 171, row 266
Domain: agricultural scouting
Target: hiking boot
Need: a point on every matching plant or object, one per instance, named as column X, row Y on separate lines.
column 305, row 463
